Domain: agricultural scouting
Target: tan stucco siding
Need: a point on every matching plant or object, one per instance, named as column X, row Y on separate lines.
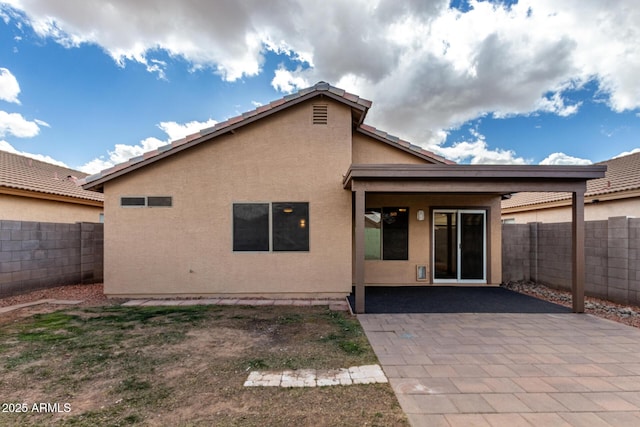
column 592, row 212
column 367, row 150
column 420, row 236
column 187, row 249
column 19, row 208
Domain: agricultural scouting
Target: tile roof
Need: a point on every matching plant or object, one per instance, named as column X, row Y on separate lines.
column 397, row 142
column 358, row 104
column 623, row 174
column 23, row 173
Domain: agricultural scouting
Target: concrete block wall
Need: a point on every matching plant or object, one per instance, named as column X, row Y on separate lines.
column 35, row 255
column 516, row 243
column 554, row 255
column 634, row 261
column 596, row 258
column 612, row 252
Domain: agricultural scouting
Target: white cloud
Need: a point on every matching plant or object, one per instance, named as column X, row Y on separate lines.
column 16, row 125
column 287, row 81
column 5, row 146
column 477, row 152
column 427, row 67
column 180, row 130
column 123, row 152
column 626, row 153
column 564, row 159
column 9, row 87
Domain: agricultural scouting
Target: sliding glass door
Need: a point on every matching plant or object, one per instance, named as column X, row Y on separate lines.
column 459, row 246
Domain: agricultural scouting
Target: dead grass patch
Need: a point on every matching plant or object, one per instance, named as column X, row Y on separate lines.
column 186, row 366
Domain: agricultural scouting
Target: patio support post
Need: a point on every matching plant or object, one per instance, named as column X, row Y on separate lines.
column 359, row 250
column 577, row 237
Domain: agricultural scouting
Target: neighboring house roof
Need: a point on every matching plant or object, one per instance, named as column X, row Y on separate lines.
column 24, row 176
column 621, row 180
column 359, row 108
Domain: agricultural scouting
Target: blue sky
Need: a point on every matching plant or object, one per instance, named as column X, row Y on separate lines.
column 524, row 82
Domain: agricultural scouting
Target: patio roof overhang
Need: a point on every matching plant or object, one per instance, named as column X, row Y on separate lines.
column 493, row 179
column 466, row 179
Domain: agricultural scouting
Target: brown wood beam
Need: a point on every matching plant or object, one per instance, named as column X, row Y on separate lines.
column 577, row 237
column 465, row 186
column 359, row 252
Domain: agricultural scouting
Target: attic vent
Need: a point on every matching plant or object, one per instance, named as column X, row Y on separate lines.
column 320, row 116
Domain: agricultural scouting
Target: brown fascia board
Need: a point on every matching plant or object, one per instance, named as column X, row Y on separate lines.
column 470, row 172
column 97, row 185
column 399, row 146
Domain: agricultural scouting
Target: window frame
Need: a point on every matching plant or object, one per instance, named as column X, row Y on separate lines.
column 234, row 221
column 145, row 203
column 271, row 244
column 170, row 205
column 381, row 211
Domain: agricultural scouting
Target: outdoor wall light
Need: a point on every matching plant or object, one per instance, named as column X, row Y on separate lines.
column 420, row 215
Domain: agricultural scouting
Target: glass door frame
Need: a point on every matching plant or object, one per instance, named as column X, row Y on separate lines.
column 458, row 215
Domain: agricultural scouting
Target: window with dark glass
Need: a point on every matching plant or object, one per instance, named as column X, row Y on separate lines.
column 160, row 201
column 387, row 233
column 150, row 201
column 251, row 227
column 277, row 226
column 290, row 226
column 133, row 201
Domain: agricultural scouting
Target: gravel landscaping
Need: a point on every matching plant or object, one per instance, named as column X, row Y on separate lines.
column 89, row 294
column 629, row 315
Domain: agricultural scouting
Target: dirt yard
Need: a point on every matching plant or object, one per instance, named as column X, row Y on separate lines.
column 102, row 364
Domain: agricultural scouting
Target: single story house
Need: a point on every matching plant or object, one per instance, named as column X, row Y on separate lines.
column 31, row 190
column 615, row 194
column 301, row 199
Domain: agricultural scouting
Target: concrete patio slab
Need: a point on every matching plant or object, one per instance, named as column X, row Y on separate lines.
column 509, row 369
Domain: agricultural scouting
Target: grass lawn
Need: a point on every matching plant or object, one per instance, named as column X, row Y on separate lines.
column 114, row 365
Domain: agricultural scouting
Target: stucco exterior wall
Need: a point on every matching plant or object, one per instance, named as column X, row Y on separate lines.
column 18, row 208
column 592, row 212
column 367, row 150
column 188, row 250
column 384, row 272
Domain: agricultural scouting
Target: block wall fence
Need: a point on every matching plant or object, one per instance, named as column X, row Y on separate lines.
column 542, row 253
column 36, row 255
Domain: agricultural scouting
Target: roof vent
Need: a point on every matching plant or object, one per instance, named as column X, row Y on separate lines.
column 320, row 116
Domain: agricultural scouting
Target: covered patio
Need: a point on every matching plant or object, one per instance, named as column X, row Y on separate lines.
column 469, row 180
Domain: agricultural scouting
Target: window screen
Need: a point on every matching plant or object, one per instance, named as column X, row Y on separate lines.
column 132, row 201
column 164, row 201
column 290, row 226
column 251, row 227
